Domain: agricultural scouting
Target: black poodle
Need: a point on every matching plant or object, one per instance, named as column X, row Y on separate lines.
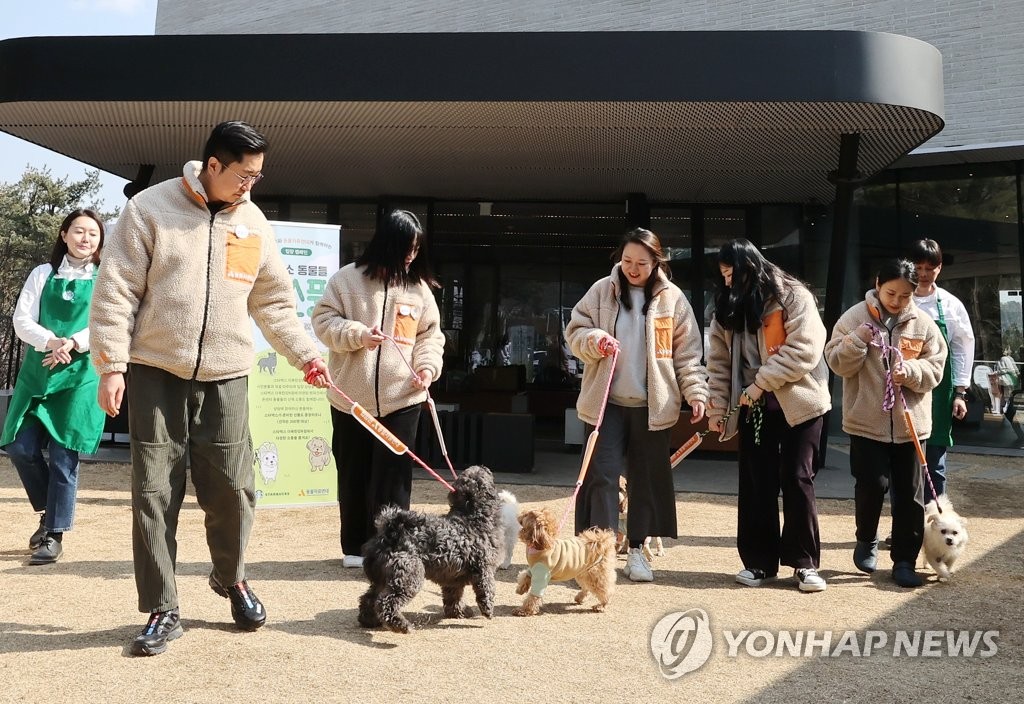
column 460, row 548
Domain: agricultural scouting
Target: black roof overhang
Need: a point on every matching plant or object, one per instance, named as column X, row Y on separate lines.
column 680, row 116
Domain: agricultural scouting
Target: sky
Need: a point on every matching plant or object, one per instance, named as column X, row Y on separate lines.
column 51, row 18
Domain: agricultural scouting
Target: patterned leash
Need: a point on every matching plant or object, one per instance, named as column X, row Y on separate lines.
column 591, row 444
column 693, row 443
column 430, row 405
column 891, row 359
column 377, row 429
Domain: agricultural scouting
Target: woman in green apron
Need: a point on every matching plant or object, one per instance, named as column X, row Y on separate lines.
column 54, row 402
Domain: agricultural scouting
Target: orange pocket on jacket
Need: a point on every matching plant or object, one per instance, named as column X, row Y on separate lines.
column 243, row 257
column 774, row 331
column 911, row 348
column 405, row 324
column 663, row 338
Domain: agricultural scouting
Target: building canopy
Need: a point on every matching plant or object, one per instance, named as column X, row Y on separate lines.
column 715, row 117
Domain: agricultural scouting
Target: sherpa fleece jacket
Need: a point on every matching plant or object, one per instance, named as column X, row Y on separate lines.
column 674, row 349
column 790, row 342
column 924, row 356
column 178, row 285
column 378, row 379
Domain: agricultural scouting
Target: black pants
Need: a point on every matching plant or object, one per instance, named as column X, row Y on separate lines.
column 626, row 446
column 785, row 459
column 370, row 476
column 877, row 466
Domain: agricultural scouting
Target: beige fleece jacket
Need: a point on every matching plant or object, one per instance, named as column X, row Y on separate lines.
column 794, row 371
column 674, row 349
column 177, row 287
column 378, row 379
column 924, row 354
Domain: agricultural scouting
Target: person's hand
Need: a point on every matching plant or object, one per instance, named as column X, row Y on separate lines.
column 866, row 333
column 56, row 343
column 372, row 338
column 423, row 379
column 316, row 374
column 697, row 409
column 60, row 354
column 959, row 408
column 607, row 345
column 717, row 424
column 899, row 375
column 751, row 395
column 111, row 393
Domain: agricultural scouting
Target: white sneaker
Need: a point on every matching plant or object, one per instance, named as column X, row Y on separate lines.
column 637, row 568
column 352, row 561
column 809, row 580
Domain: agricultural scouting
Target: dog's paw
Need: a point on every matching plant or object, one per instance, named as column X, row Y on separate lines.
column 523, row 611
column 505, row 566
column 599, row 608
column 458, row 611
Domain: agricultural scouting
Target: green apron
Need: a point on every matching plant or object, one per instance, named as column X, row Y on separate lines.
column 942, row 395
column 62, row 399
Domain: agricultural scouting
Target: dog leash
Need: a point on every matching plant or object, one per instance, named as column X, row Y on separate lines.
column 430, row 405
column 890, row 353
column 693, row 443
column 377, row 429
column 591, row 444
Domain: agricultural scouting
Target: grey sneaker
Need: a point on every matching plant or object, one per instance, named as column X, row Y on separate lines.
column 637, row 568
column 37, row 538
column 753, row 577
column 809, row 580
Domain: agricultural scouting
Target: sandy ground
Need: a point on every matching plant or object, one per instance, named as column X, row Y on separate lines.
column 64, row 627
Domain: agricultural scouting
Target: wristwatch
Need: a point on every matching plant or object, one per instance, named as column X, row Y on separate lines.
column 961, row 395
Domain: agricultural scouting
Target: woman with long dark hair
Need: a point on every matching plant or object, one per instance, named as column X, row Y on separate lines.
column 765, row 357
column 638, row 311
column 385, row 293
column 54, row 401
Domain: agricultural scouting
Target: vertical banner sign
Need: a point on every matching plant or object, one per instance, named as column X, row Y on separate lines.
column 290, row 421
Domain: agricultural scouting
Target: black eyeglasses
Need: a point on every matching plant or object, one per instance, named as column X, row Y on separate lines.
column 247, row 181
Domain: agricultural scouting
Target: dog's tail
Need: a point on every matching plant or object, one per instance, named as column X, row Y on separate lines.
column 599, row 542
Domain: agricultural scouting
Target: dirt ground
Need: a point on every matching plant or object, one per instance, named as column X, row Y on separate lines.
column 64, row 627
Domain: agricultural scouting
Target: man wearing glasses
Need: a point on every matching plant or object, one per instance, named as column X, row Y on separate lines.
column 187, row 263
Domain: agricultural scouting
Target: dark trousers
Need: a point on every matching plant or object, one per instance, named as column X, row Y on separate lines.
column 626, row 446
column 370, row 476
column 878, row 467
column 785, row 459
column 174, row 422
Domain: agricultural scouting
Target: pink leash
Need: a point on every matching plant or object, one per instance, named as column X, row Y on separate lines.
column 430, row 405
column 591, row 444
column 890, row 355
column 377, row 429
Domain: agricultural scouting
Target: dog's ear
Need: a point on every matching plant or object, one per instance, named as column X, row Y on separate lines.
column 930, row 518
column 535, row 530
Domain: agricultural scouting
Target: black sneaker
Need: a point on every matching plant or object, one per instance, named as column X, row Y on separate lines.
column 163, row 626
column 48, row 552
column 37, row 538
column 246, row 608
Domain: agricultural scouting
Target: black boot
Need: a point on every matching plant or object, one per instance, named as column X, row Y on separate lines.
column 903, row 574
column 246, row 609
column 865, row 555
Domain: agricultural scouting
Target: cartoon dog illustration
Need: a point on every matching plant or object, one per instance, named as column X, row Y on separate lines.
column 266, row 458
column 319, row 453
column 268, row 363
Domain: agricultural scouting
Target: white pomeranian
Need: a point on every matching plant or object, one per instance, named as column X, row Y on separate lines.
column 945, row 537
column 509, row 525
